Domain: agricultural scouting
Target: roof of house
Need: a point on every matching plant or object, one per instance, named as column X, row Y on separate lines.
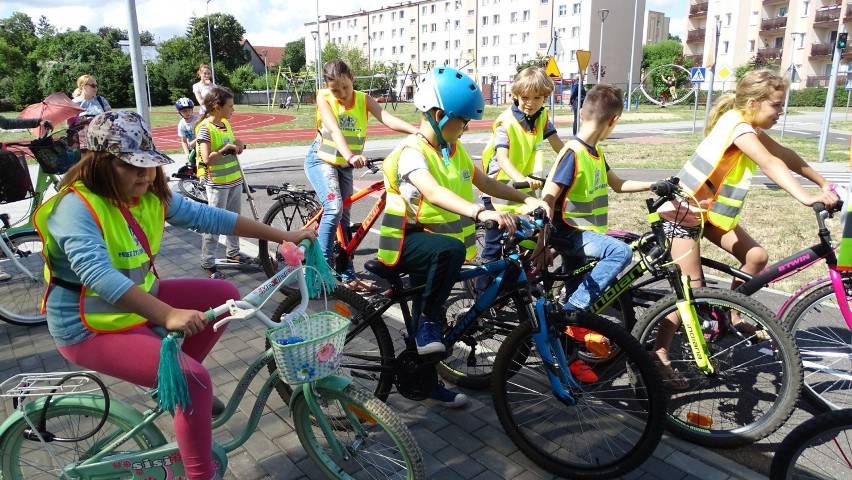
column 273, row 54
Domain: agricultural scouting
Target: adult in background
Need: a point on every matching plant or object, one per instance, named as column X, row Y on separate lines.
column 86, row 96
column 576, row 108
column 203, row 86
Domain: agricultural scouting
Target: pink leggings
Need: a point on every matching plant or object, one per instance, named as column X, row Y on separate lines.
column 134, row 355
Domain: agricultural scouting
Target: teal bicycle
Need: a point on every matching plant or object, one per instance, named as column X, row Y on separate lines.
column 66, row 426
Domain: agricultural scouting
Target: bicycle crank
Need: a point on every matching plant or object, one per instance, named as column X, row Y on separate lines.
column 414, row 378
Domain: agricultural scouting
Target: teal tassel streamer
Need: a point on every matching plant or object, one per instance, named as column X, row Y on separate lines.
column 320, row 274
column 172, row 388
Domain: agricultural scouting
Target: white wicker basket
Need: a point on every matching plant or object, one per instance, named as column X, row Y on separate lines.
column 310, row 347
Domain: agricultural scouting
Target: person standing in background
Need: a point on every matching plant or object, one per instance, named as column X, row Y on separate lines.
column 203, row 86
column 573, row 100
column 86, row 96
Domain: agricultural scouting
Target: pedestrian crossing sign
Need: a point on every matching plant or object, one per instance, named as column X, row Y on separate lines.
column 698, row 75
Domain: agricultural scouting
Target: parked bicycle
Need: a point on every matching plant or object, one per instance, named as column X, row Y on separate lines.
column 66, row 425
column 819, row 448
column 629, row 388
column 20, row 245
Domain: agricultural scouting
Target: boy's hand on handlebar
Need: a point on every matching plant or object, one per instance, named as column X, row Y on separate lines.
column 531, row 203
column 297, row 236
column 505, row 220
column 188, row 322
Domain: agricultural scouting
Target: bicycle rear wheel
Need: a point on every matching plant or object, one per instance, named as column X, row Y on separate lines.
column 617, row 420
column 825, row 343
column 21, row 295
column 755, row 384
column 368, row 355
column 71, row 418
column 193, row 189
column 379, row 446
column 820, row 448
column 289, row 212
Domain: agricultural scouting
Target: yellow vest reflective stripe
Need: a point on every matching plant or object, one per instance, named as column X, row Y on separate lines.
column 586, row 204
column 125, row 251
column 352, row 123
column 227, row 168
column 457, row 177
column 713, row 154
column 526, row 153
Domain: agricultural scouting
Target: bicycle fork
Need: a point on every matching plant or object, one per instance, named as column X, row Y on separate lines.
column 553, row 356
column 689, row 318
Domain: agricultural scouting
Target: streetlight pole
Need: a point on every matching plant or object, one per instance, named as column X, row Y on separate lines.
column 603, row 13
column 266, row 75
column 210, row 43
column 632, row 53
column 319, row 50
column 712, row 73
column 315, row 34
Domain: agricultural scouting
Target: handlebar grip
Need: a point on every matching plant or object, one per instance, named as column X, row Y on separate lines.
column 491, row 225
column 663, row 188
column 818, row 207
column 519, row 184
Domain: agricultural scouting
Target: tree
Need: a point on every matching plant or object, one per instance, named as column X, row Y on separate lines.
column 177, row 64
column 112, row 35
column 227, row 34
column 146, row 38
column 539, row 61
column 664, row 53
column 294, row 55
column 45, row 29
column 358, row 63
column 243, row 78
column 17, row 70
column 756, row 62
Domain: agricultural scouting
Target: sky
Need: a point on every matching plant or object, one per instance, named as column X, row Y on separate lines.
column 267, row 22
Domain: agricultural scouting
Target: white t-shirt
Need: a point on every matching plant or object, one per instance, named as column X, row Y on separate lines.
column 187, row 129
column 202, row 90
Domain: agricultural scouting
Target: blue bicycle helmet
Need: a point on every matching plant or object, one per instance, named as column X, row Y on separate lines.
column 453, row 92
column 183, row 102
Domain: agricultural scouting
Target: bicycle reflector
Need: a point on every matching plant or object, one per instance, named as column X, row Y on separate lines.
column 699, row 420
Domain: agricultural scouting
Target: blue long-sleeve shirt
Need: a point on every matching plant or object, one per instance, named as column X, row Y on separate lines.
column 83, row 258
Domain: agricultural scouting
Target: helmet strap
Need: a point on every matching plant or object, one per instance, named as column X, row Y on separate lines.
column 436, row 127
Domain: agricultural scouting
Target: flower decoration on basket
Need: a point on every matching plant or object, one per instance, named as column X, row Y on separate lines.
column 306, row 372
column 326, row 353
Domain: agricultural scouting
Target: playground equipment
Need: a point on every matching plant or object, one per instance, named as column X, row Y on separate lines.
column 653, row 81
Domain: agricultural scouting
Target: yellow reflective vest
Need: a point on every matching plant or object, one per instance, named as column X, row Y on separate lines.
column 526, row 152
column 456, row 176
column 352, row 123
column 586, row 203
column 722, row 169
column 226, row 169
column 126, row 252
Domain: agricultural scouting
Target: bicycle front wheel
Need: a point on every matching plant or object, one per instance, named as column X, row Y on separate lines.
column 377, row 442
column 21, row 295
column 25, row 459
column 193, row 189
column 820, row 448
column 825, row 343
column 617, row 420
column 756, row 380
column 368, row 354
column 287, row 213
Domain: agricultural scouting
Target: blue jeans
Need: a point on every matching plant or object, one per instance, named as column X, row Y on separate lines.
column 332, row 185
column 613, row 255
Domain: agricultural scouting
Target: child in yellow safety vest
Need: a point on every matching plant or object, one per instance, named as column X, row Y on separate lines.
column 218, row 150
column 719, row 176
column 341, row 121
column 577, row 191
column 516, row 149
column 428, row 226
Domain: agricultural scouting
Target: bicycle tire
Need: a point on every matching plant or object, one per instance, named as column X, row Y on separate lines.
column 23, row 459
column 825, row 343
column 193, row 189
column 388, row 451
column 615, row 425
column 819, row 448
column 21, row 296
column 756, row 384
column 372, row 347
column 289, row 212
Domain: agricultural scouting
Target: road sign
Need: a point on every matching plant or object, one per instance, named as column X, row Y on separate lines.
column 724, row 72
column 849, row 84
column 552, row 69
column 583, row 57
column 698, row 75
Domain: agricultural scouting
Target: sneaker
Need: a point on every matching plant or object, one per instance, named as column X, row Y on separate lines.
column 446, row 397
column 583, row 372
column 428, row 337
column 596, row 343
column 4, row 276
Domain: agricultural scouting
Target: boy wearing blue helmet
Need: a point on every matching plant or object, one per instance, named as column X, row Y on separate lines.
column 428, row 227
column 186, row 128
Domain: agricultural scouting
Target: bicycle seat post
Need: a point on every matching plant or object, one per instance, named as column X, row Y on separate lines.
column 4, row 217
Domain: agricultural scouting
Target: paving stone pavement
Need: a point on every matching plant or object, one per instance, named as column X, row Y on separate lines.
column 457, row 444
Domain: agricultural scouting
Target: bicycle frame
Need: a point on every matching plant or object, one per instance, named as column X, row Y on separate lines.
column 349, row 243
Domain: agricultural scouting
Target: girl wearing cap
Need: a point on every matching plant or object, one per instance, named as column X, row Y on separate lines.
column 341, row 132
column 428, row 227
column 101, row 235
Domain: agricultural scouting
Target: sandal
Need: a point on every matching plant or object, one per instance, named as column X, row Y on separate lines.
column 361, row 286
column 672, row 378
column 214, row 273
column 756, row 333
column 240, row 258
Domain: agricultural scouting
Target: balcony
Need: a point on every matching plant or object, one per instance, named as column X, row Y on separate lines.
column 847, row 17
column 698, row 9
column 821, row 50
column 770, row 52
column 770, row 25
column 827, row 17
column 822, row 80
column 697, row 60
column 774, row 2
column 696, row 36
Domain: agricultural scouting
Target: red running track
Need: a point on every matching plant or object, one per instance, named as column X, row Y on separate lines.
column 166, row 137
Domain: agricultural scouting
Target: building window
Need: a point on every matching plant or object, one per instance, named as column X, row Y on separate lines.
column 525, row 37
column 484, row 2
column 513, row 17
column 432, row 10
column 496, row 19
column 447, row 45
column 525, row 58
column 425, row 28
column 495, row 40
column 485, row 20
column 456, row 43
column 542, row 46
column 728, row 20
column 542, row 23
column 805, row 5
column 434, row 27
column 495, row 60
column 484, row 61
column 471, row 13
column 423, row 10
column 573, row 55
column 526, row 16
column 401, row 14
column 484, row 41
column 724, row 47
column 563, row 10
column 576, row 9
column 575, row 32
column 751, row 46
column 513, row 59
column 470, row 31
column 800, row 40
column 433, row 46
column 544, row 2
column 423, row 48
column 457, row 25
column 513, row 38
column 782, row 11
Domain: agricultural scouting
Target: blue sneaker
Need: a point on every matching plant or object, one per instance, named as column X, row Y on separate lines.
column 446, row 397
column 428, row 337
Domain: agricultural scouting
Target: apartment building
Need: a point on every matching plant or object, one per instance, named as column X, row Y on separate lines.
column 487, row 39
column 656, row 27
column 799, row 32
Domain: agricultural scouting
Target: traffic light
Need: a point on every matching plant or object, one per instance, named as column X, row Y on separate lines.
column 841, row 40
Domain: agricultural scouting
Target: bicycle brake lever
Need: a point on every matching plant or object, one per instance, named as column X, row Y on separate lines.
column 236, row 313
